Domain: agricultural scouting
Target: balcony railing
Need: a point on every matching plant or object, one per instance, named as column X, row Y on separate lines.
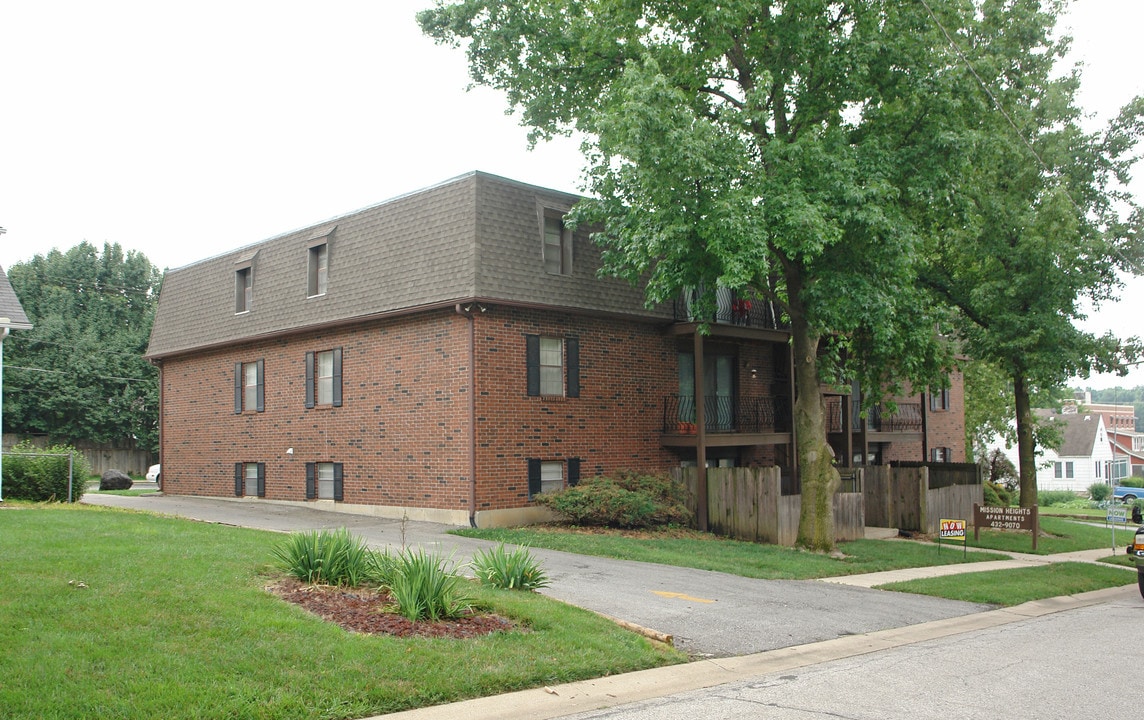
column 727, row 414
column 907, row 418
column 730, row 309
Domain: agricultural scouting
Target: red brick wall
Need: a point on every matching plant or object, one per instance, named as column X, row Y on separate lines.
column 626, row 369
column 401, row 432
column 944, row 428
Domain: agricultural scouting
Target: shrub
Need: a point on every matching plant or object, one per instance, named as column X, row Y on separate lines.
column 1099, row 492
column 509, row 570
column 43, row 479
column 1048, row 498
column 330, row 557
column 1000, row 471
column 625, row 500
column 425, row 588
column 1132, row 482
column 994, row 495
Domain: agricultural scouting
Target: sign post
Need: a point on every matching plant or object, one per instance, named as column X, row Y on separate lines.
column 1116, row 515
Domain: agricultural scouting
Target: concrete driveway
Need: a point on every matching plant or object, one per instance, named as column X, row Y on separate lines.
column 709, row 614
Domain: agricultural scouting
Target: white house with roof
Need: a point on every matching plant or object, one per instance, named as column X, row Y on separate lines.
column 1083, row 458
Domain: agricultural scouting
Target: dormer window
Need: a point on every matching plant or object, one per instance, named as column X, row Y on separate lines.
column 319, row 264
column 244, row 282
column 243, row 289
column 557, row 244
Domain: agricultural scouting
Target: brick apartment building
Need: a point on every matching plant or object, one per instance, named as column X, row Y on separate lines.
column 450, row 353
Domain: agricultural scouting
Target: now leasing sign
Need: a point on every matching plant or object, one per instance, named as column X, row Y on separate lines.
column 953, row 530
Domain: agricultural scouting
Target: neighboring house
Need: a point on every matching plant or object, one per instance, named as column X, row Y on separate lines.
column 1084, row 457
column 12, row 317
column 1120, row 422
column 448, row 354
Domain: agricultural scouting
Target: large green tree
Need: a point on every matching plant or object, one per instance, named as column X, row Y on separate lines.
column 79, row 374
column 1041, row 220
column 788, row 147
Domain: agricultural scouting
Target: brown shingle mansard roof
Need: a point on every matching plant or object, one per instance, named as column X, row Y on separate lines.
column 475, row 237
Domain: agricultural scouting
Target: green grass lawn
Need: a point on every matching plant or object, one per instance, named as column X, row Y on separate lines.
column 1013, row 587
column 173, row 621
column 707, row 552
column 1059, row 535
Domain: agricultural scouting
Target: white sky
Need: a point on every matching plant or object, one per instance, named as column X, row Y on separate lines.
column 187, row 130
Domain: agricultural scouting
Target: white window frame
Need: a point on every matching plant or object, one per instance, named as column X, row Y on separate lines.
column 324, row 377
column 250, row 480
column 324, row 480
column 551, row 366
column 551, row 476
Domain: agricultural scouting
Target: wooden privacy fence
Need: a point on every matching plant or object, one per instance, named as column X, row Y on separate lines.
column 748, row 504
column 100, row 456
column 917, row 497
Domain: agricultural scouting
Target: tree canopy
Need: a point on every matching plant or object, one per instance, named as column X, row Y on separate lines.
column 1041, row 221
column 79, row 374
column 805, row 150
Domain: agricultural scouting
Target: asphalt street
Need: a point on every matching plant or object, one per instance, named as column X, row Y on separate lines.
column 708, row 614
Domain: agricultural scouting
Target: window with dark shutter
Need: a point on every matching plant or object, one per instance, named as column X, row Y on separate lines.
column 572, row 351
column 533, row 477
column 238, row 388
column 239, row 478
column 311, row 480
column 262, row 480
column 309, row 380
column 573, row 472
column 532, row 360
column 260, row 387
column 339, row 483
column 336, row 390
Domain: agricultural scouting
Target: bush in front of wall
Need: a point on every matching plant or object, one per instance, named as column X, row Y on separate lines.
column 41, row 474
column 994, row 495
column 625, row 500
column 1099, row 492
column 1048, row 498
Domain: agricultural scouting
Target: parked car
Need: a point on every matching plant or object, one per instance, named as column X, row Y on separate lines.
column 153, row 475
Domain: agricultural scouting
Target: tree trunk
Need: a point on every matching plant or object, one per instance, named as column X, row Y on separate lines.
column 818, row 477
column 1026, row 453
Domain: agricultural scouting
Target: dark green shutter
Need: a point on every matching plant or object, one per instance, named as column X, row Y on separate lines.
column 311, row 481
column 337, row 395
column 573, row 472
column 238, row 388
column 309, row 379
column 572, row 350
column 533, row 477
column 338, row 482
column 238, row 479
column 261, row 479
column 532, row 360
column 260, row 387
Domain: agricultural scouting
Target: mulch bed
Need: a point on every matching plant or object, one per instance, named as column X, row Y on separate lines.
column 370, row 611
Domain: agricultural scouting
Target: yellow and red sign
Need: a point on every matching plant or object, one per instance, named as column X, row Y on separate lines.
column 953, row 530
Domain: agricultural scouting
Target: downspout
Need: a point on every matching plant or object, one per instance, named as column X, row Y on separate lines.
column 472, row 413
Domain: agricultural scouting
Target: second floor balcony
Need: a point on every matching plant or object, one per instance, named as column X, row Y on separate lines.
column 731, row 308
column 906, row 418
column 727, row 415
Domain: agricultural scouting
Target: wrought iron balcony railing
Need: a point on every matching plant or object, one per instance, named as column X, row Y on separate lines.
column 730, row 309
column 744, row 414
